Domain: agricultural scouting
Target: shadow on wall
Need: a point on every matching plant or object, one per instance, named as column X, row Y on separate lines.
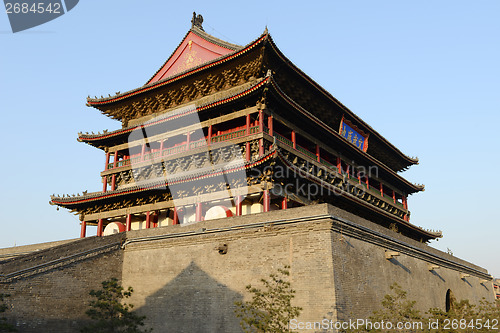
column 192, row 302
column 397, row 263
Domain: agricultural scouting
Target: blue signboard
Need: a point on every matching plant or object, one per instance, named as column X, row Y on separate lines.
column 353, row 136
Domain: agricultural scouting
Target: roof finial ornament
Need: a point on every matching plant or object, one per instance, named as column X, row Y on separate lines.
column 197, row 21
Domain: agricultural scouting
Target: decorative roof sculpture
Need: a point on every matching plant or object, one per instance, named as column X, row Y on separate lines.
column 197, row 21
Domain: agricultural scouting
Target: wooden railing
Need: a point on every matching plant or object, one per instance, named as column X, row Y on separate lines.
column 282, row 139
column 197, row 144
column 230, row 135
column 174, row 150
column 327, row 164
column 306, row 152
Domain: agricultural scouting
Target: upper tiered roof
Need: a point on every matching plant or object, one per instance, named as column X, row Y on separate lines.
column 188, row 73
column 196, row 48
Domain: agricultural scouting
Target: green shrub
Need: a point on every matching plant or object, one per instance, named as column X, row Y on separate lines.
column 270, row 309
column 109, row 313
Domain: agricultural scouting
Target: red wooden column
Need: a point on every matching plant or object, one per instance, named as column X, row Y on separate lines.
column 405, row 205
column 199, row 212
column 143, row 150
column 83, row 229
column 104, row 179
column 107, row 161
column 294, row 140
column 261, row 130
column 129, row 222
column 176, row 216
column 188, row 139
column 99, row 227
column 394, row 196
column 209, row 141
column 239, row 205
column 339, row 165
column 266, row 200
column 284, row 203
column 247, row 151
column 270, row 125
column 115, row 161
column 248, row 125
column 156, row 216
column 318, row 156
column 148, row 220
column 261, row 121
column 156, row 219
column 247, row 144
column 381, row 189
column 162, row 143
column 367, row 182
column 113, row 182
column 104, row 184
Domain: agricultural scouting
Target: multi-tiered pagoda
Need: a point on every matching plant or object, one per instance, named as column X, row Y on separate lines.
column 222, row 130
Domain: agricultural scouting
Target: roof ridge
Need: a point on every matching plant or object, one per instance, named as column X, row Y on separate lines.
column 203, row 34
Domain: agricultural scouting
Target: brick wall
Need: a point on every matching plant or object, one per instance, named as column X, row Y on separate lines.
column 363, row 275
column 183, row 284
column 50, row 289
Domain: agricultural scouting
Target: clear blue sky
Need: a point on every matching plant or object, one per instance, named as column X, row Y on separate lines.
column 424, row 74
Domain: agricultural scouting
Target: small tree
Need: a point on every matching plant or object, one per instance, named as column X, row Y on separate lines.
column 109, row 313
column 466, row 317
column 270, row 309
column 461, row 317
column 395, row 308
column 4, row 327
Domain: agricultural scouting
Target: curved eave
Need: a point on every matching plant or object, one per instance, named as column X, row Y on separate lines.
column 69, row 202
column 410, row 160
column 284, row 97
column 101, row 102
column 233, row 94
column 310, row 177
